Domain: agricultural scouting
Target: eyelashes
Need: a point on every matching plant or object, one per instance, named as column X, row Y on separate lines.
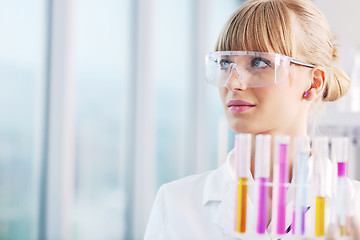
column 260, row 62
column 252, row 63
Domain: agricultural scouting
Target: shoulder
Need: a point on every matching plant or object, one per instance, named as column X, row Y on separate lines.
column 207, row 185
column 196, row 181
column 195, row 190
column 210, row 181
column 185, row 191
column 173, row 202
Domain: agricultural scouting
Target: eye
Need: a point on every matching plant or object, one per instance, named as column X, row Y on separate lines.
column 224, row 63
column 260, row 62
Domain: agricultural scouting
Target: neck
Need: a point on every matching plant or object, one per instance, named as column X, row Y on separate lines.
column 299, row 131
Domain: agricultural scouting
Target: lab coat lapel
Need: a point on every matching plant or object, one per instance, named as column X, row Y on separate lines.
column 224, row 214
column 215, row 189
column 219, row 191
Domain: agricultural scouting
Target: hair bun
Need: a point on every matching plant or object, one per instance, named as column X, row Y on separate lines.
column 338, row 83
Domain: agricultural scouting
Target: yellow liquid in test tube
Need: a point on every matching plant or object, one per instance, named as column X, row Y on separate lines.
column 341, row 231
column 241, row 206
column 320, row 217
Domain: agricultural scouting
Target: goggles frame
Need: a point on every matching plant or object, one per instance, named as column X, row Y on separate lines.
column 277, row 56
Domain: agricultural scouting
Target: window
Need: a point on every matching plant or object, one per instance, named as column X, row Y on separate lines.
column 102, row 68
column 22, row 101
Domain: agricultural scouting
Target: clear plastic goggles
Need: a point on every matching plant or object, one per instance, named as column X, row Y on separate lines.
column 253, row 69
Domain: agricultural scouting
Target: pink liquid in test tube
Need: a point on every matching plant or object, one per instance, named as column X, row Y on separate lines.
column 262, row 175
column 283, row 173
column 341, row 169
column 263, row 207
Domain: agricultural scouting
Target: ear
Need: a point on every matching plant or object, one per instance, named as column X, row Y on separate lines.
column 318, row 81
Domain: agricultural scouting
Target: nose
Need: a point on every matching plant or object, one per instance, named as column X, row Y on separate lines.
column 235, row 82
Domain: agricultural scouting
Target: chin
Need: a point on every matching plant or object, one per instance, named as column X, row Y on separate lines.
column 242, row 127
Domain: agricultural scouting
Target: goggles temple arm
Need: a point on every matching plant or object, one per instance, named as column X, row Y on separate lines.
column 302, row 63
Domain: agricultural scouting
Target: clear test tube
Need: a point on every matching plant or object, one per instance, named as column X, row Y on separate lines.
column 262, row 175
column 339, row 155
column 301, row 153
column 320, row 150
column 242, row 168
column 280, row 181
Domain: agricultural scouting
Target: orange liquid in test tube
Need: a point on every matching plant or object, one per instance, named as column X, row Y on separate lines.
column 242, row 167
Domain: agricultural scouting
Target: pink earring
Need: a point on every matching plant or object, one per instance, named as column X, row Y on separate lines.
column 306, row 94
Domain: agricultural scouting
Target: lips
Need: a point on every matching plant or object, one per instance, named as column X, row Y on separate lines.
column 239, row 106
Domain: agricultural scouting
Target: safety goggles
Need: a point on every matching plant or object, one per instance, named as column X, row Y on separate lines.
column 253, row 69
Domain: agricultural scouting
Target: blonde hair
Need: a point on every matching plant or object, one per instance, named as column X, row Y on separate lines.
column 264, row 25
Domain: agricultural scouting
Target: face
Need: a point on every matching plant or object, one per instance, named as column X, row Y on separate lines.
column 277, row 109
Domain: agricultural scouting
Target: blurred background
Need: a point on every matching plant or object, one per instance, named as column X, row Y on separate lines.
column 101, row 102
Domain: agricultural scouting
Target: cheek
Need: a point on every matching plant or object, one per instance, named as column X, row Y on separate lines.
column 278, row 103
column 267, row 96
column 300, row 79
column 222, row 93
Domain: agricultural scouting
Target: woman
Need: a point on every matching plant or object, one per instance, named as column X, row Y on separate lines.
column 262, row 93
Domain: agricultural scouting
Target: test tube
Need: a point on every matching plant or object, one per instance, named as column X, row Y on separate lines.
column 339, row 155
column 301, row 152
column 280, row 180
column 320, row 151
column 262, row 175
column 242, row 167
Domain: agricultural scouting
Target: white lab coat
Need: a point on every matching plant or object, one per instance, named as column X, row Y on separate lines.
column 202, row 206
